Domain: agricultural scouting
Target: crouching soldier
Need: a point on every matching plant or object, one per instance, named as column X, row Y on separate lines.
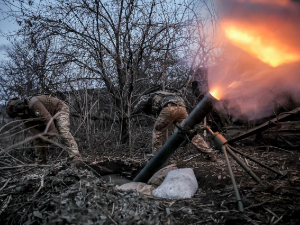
column 38, row 111
column 170, row 108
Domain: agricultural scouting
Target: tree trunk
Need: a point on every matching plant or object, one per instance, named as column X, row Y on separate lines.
column 124, row 130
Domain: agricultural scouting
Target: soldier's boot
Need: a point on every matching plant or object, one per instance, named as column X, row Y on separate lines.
column 75, row 156
column 77, row 162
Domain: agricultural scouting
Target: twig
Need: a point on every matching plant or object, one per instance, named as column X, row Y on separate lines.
column 270, row 146
column 6, row 164
column 113, row 208
column 246, row 161
column 60, row 154
column 20, row 172
column 17, row 121
column 221, row 212
column 91, row 169
column 21, row 220
column 21, row 166
column 172, row 203
column 271, row 212
column 54, row 143
column 5, row 184
column 278, row 220
column 8, row 149
column 85, row 117
column 186, row 160
column 14, row 158
column 41, row 186
column 106, row 214
column 7, row 201
column 5, row 137
column 250, row 220
column 251, row 206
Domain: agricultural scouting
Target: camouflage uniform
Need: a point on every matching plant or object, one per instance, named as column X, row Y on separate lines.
column 44, row 107
column 171, row 109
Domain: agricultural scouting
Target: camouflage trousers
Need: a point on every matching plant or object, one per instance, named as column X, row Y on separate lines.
column 62, row 124
column 174, row 114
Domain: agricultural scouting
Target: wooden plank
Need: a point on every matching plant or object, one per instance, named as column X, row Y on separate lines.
column 282, row 133
column 263, row 126
column 288, row 126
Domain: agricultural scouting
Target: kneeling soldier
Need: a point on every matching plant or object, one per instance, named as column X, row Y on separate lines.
column 39, row 110
column 170, row 108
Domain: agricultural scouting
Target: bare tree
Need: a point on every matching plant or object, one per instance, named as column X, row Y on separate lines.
column 30, row 67
column 124, row 46
column 202, row 49
column 122, row 43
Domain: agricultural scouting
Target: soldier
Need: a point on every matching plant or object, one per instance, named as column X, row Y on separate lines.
column 170, row 108
column 37, row 112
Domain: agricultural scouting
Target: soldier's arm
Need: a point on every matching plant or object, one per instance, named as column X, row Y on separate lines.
column 140, row 106
column 43, row 115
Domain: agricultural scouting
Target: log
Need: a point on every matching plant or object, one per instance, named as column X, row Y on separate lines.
column 264, row 126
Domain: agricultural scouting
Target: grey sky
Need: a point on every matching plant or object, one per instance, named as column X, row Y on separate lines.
column 6, row 26
column 9, row 25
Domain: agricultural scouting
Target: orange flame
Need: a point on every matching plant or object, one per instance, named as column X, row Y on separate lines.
column 257, row 43
column 215, row 92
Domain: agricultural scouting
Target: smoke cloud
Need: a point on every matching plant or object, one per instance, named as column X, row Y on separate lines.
column 261, row 65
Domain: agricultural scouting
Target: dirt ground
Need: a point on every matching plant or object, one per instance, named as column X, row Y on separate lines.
column 71, row 195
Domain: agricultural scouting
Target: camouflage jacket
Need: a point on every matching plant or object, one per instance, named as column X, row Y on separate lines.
column 154, row 102
column 41, row 109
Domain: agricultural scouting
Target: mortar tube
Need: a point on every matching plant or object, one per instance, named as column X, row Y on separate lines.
column 164, row 153
column 236, row 190
column 246, row 168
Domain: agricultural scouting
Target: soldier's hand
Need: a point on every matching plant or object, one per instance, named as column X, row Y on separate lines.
column 199, row 128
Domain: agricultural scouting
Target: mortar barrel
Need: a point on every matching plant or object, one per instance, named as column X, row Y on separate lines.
column 164, row 153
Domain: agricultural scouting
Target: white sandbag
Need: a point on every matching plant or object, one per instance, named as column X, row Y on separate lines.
column 178, row 184
column 160, row 175
column 137, row 186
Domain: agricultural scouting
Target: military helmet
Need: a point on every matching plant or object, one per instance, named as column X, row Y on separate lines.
column 15, row 106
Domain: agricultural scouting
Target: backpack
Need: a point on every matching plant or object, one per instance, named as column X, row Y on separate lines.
column 162, row 98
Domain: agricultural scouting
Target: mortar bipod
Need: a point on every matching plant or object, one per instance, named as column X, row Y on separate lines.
column 221, row 142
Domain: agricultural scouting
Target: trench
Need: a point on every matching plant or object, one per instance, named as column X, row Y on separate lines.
column 117, row 171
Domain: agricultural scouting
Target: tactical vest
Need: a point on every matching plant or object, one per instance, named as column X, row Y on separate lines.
column 162, row 98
